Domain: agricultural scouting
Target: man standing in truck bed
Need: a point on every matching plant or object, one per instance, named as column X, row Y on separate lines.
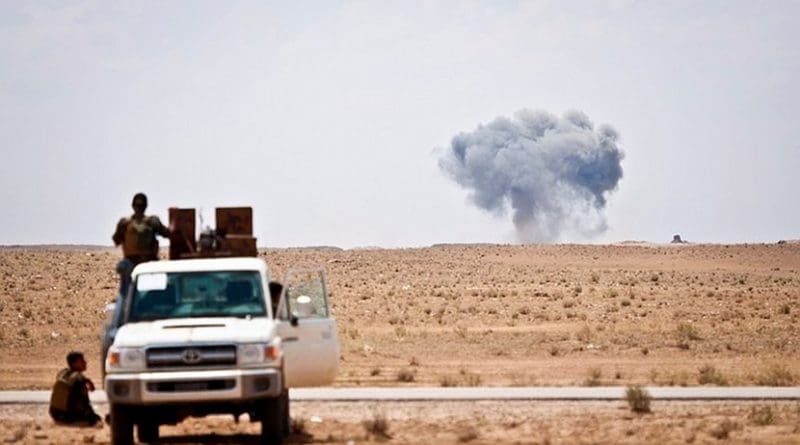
column 137, row 235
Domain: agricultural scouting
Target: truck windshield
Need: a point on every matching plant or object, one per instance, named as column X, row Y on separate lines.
column 158, row 296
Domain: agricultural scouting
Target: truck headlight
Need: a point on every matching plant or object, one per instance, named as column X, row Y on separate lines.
column 126, row 358
column 252, row 353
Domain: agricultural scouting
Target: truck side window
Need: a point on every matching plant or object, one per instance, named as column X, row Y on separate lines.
column 310, row 284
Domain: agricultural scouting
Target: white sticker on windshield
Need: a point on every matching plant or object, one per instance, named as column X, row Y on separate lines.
column 151, row 281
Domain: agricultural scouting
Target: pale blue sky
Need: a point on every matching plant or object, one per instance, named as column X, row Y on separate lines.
column 326, row 117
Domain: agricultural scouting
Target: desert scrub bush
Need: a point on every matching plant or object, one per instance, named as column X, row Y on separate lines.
column 761, row 415
column 297, row 425
column 405, row 375
column 785, row 309
column 470, row 379
column 448, row 381
column 461, row 331
column 724, row 429
column 375, row 372
column 593, row 378
column 584, row 334
column 638, row 399
column 467, row 435
column 776, row 375
column 377, row 426
column 709, row 375
column 686, row 333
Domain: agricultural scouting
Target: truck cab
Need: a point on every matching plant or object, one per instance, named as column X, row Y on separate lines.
column 194, row 337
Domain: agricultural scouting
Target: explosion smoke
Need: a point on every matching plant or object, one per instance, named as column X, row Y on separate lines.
column 553, row 172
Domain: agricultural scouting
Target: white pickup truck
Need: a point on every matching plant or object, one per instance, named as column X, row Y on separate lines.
column 201, row 336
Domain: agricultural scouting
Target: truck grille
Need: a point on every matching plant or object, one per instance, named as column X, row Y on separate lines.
column 182, row 356
column 193, row 386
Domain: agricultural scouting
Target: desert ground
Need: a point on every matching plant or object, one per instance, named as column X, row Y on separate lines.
column 484, row 315
column 458, row 423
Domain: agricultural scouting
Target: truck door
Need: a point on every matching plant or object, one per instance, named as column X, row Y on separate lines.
column 307, row 330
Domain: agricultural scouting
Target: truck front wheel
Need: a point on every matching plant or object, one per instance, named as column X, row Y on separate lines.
column 272, row 414
column 121, row 425
column 147, row 432
column 287, row 422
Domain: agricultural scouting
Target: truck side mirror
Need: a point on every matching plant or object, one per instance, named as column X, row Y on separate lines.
column 304, row 308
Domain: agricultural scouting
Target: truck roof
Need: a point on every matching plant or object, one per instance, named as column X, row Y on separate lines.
column 202, row 265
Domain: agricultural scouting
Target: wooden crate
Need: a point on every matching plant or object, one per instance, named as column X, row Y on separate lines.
column 235, row 221
column 182, row 240
column 239, row 245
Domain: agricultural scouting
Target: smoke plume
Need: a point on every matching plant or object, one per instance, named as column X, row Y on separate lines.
column 554, row 172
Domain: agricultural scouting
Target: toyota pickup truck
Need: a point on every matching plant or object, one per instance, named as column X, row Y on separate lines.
column 194, row 337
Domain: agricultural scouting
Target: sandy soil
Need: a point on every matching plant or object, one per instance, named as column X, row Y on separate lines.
column 476, row 315
column 478, row 423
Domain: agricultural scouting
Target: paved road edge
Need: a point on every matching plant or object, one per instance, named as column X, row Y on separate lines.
column 422, row 394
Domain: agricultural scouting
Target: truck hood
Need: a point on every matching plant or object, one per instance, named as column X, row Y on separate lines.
column 195, row 330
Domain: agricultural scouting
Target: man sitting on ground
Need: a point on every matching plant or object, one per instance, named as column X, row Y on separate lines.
column 69, row 402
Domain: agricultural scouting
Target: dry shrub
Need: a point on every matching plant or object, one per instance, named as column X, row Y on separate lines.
column 710, row 376
column 470, row 379
column 724, row 429
column 298, row 426
column 776, row 375
column 593, row 378
column 377, row 426
column 448, row 381
column 467, row 435
column 464, row 378
column 686, row 333
column 405, row 375
column 638, row 399
column 762, row 416
column 584, row 334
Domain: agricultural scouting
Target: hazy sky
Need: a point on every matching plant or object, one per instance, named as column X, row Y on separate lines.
column 328, row 118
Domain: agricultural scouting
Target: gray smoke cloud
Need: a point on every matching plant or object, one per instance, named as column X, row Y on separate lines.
column 554, row 172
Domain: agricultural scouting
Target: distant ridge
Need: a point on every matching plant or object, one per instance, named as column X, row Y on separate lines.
column 56, row 247
column 468, row 245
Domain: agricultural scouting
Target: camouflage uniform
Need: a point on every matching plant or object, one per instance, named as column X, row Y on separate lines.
column 69, row 402
column 139, row 244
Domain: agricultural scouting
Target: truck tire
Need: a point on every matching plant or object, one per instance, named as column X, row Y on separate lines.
column 287, row 421
column 121, row 425
column 147, row 432
column 272, row 421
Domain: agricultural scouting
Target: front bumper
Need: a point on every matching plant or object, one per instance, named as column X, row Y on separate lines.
column 144, row 388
